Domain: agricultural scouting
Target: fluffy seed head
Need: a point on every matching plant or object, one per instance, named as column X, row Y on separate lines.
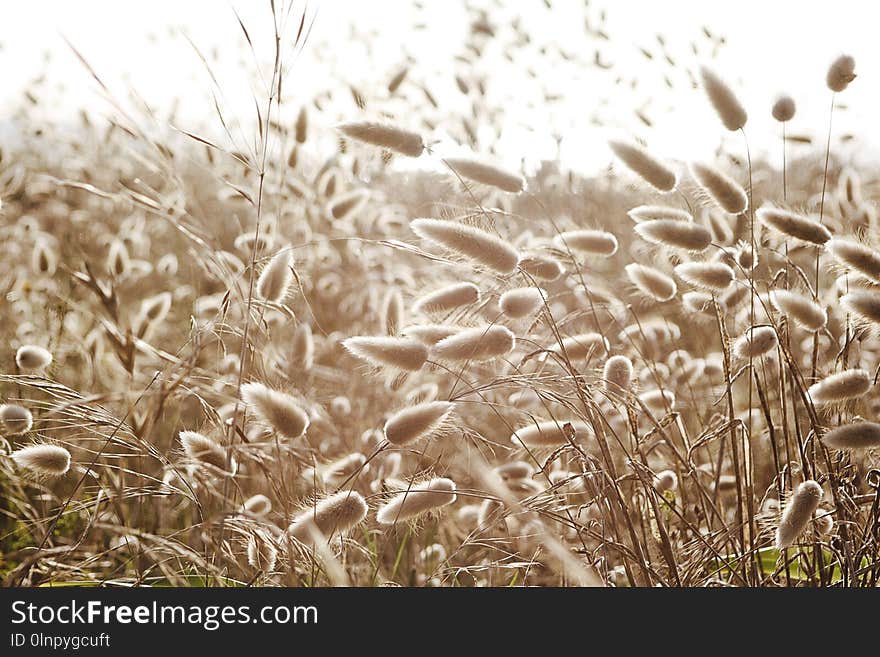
column 276, row 277
column 794, row 225
column 617, row 373
column 476, row 344
column 542, row 267
column 684, row 235
column 278, row 409
column 584, row 345
column 258, row 505
column 16, row 419
column 335, row 514
column 487, row 174
column 857, row 435
column 652, row 212
column 471, row 242
column 640, row 161
column 410, row 424
column 712, row 276
column 651, row 282
column 756, row 341
column 798, row 513
column 31, row 358
column 864, row 303
column 430, row 334
column 723, row 189
column 201, row 448
column 840, row 387
column 393, row 138
column 801, row 309
column 550, row 433
column 402, row 353
column 522, row 301
column 783, row 109
column 666, row 480
column 725, row 102
column 419, row 499
column 596, row 242
column 448, row 298
column 658, row 401
column 856, row 256
column 303, row 352
column 841, row 72
column 43, row 459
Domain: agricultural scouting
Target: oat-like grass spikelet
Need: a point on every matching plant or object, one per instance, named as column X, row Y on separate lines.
column 856, row 256
column 798, row 513
column 856, row 435
column 651, row 282
column 595, row 242
column 755, row 342
column 476, row 344
column 794, row 225
column 408, row 425
column 401, row 353
column 711, row 276
column 734, row 296
column 653, row 212
column 31, row 358
column 278, row 409
column 656, row 173
column 276, row 277
column 581, row 346
column 723, row 189
column 617, row 374
column 156, row 307
column 257, row 505
column 725, row 102
column 392, row 313
column 841, row 72
column 783, row 109
column 448, row 298
column 473, row 243
column 541, row 267
column 551, row 433
column 864, row 303
column 803, row 310
column 44, row 459
column 386, row 136
column 16, row 419
column 335, row 514
column 430, row 334
column 684, row 235
column 419, row 499
column 487, row 174
column 522, row 302
column 840, row 387
column 698, row 302
column 200, row 448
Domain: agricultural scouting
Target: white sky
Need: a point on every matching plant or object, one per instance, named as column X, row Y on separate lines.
column 772, row 46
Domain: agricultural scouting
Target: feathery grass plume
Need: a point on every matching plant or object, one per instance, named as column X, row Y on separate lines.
column 487, row 174
column 476, row 344
column 408, row 425
column 640, row 161
column 794, row 225
column 584, row 345
column 551, row 433
column 301, row 128
column 856, row 256
column 31, row 358
column 276, row 277
column 401, row 353
column 16, row 419
column 542, row 267
column 756, row 341
column 658, row 401
column 798, row 513
column 473, row 243
column 596, row 242
column 448, row 298
column 156, row 307
column 419, row 499
column 522, row 301
column 257, row 505
column 722, row 233
column 711, row 276
column 430, row 334
column 42, row 459
column 44, row 260
column 684, row 235
column 864, row 303
column 857, row 435
column 347, row 204
column 841, row 72
column 803, row 310
column 698, row 302
column 651, row 282
column 723, row 189
column 653, row 212
column 725, row 102
column 386, row 136
column 391, row 315
column 734, row 296
column 617, row 374
column 302, row 355
column 666, row 480
column 335, row 514
column 278, row 409
column 783, row 109
column 840, row 387
column 201, row 448
column 514, row 470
